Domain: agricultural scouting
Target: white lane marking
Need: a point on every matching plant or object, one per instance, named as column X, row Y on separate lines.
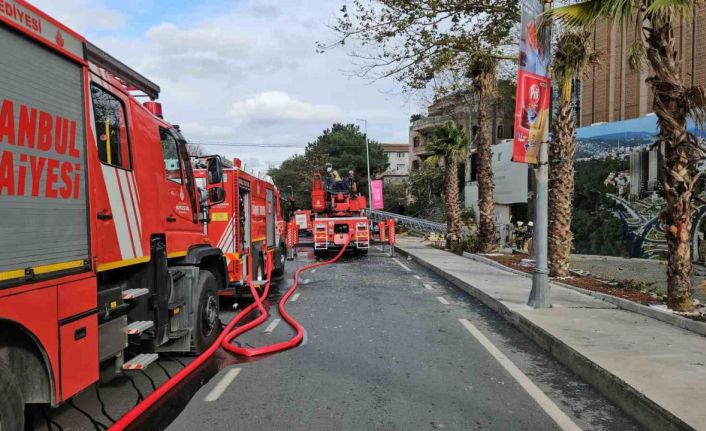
column 295, row 297
column 561, row 419
column 428, row 286
column 402, row 264
column 442, row 300
column 307, row 281
column 271, row 327
column 417, row 277
column 221, row 387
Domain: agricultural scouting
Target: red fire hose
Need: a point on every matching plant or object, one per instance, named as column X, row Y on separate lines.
column 227, row 337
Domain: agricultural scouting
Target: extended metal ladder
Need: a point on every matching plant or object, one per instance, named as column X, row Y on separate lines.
column 409, row 223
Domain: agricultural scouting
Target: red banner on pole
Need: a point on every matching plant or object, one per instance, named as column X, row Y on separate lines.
column 377, row 198
column 533, row 85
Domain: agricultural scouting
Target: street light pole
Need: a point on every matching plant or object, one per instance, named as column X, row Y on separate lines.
column 367, row 157
column 540, row 296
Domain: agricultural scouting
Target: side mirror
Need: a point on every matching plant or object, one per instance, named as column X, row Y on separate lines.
column 216, row 195
column 215, row 170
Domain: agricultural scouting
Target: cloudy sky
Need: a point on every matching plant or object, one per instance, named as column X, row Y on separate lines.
column 242, row 71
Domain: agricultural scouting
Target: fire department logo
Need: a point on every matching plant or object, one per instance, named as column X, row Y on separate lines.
column 59, row 39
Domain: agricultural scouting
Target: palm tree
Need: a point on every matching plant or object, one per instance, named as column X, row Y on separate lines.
column 450, row 146
column 673, row 104
column 572, row 57
column 483, row 70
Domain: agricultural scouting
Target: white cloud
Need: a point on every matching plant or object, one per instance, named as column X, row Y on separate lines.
column 84, row 15
column 244, row 71
column 278, row 105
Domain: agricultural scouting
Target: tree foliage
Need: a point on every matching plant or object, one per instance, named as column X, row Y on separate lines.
column 416, row 41
column 343, row 146
column 450, row 146
column 426, row 189
column 595, row 228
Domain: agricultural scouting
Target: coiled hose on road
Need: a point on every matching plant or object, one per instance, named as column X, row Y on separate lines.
column 228, row 335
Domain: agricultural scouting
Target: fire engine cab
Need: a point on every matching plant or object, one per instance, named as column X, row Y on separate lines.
column 247, row 225
column 339, row 215
column 103, row 259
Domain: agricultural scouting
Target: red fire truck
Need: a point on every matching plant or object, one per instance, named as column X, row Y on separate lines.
column 303, row 219
column 103, row 259
column 247, row 225
column 339, row 215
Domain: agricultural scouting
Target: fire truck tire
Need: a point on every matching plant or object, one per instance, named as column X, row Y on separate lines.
column 208, row 324
column 12, row 405
column 278, row 270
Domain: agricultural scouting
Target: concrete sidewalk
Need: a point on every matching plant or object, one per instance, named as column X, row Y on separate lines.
column 654, row 371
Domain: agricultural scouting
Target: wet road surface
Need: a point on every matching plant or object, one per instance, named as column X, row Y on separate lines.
column 391, row 346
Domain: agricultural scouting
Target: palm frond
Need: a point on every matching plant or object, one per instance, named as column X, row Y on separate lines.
column 696, row 101
column 663, row 8
column 573, row 55
column 585, row 14
column 637, row 54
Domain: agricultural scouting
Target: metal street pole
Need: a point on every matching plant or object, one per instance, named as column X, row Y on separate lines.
column 540, row 296
column 367, row 157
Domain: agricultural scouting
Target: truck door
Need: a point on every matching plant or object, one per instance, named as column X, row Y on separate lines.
column 180, row 212
column 270, row 219
column 119, row 223
column 244, row 225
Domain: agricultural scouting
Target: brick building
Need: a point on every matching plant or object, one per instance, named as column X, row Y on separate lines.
column 615, row 92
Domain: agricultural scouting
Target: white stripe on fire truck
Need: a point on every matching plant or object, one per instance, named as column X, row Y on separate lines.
column 228, row 233
column 116, row 208
column 134, row 207
column 130, row 211
column 135, row 200
column 123, row 201
column 229, row 245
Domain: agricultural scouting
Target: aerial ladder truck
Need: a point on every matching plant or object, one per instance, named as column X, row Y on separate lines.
column 339, row 215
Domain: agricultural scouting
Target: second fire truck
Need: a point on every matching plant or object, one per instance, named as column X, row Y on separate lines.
column 246, row 226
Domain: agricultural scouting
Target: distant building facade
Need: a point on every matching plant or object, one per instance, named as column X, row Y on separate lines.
column 460, row 107
column 398, row 162
column 615, row 92
column 645, row 172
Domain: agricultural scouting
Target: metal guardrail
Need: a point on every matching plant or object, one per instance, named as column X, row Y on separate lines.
column 410, row 223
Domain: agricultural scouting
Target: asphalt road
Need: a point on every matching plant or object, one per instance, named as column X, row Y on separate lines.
column 389, row 348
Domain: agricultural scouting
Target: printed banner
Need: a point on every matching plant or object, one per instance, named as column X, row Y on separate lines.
column 531, row 116
column 533, row 86
column 377, row 198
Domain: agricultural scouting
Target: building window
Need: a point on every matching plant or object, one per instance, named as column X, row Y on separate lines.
column 111, row 129
column 400, row 167
column 400, row 155
column 415, row 165
column 416, row 141
column 501, row 131
column 170, row 152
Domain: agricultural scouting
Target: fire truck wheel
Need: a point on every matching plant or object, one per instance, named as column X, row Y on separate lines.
column 208, row 324
column 12, row 405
